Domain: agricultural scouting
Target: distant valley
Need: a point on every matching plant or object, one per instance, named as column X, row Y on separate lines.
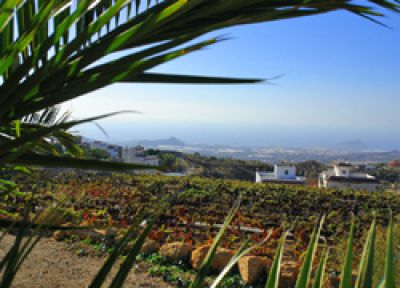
column 354, row 151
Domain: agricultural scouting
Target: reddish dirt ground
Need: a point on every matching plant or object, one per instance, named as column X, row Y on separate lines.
column 54, row 264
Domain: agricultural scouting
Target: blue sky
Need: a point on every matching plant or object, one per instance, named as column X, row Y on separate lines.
column 339, row 80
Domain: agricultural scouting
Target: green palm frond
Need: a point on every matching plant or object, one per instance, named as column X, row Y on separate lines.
column 366, row 266
column 101, row 28
column 52, row 54
column 347, row 268
column 319, row 276
column 389, row 277
column 206, row 264
column 303, row 281
column 275, row 271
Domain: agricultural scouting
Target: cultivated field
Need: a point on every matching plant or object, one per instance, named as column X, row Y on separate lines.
column 197, row 207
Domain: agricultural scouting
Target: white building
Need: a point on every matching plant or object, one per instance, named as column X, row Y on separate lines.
column 282, row 174
column 137, row 155
column 341, row 176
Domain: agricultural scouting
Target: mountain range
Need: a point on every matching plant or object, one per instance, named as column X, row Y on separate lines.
column 155, row 143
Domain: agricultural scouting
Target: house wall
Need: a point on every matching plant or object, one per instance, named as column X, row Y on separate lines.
column 152, row 162
column 321, row 182
column 325, row 181
column 258, row 177
column 371, row 187
column 142, row 160
column 285, row 172
column 139, row 151
column 342, row 171
column 130, row 155
column 114, row 154
column 127, row 154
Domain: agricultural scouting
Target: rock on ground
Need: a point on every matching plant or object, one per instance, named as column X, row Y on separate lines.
column 150, row 247
column 252, row 268
column 176, row 251
column 221, row 259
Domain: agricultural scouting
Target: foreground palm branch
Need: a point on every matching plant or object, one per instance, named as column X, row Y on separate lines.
column 52, row 54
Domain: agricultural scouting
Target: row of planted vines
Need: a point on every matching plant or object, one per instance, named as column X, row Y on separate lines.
column 198, row 206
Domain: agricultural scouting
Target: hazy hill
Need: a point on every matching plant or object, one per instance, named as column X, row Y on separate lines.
column 353, row 145
column 155, row 143
column 225, row 168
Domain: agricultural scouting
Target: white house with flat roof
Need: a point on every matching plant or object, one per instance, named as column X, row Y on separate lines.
column 137, row 155
column 282, row 174
column 341, row 176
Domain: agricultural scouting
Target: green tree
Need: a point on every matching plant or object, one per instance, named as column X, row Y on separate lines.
column 168, row 160
column 96, row 153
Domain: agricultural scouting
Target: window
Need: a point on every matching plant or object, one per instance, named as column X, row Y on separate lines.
column 343, row 171
column 286, row 172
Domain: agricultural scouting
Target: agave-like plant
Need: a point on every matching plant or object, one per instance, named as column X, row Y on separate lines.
column 50, row 52
column 364, row 272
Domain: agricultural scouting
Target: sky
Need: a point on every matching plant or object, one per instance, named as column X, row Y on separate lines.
column 330, row 78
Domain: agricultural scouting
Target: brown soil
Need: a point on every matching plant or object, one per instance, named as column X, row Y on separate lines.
column 55, row 264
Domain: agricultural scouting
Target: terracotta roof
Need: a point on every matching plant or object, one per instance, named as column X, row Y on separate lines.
column 352, row 179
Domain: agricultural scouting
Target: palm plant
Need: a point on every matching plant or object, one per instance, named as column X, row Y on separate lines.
column 48, row 117
column 50, row 52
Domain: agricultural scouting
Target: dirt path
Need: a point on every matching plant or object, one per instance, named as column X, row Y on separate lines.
column 51, row 264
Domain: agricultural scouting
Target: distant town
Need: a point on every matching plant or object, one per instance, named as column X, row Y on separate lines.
column 351, row 151
column 341, row 168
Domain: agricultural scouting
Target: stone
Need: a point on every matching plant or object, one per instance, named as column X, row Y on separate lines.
column 221, row 259
column 59, row 235
column 52, row 216
column 333, row 281
column 252, row 268
column 353, row 278
column 289, row 272
column 198, row 256
column 93, row 235
column 150, row 247
column 176, row 251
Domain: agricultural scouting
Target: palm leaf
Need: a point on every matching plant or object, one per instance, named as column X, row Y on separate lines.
column 130, row 259
column 305, row 272
column 242, row 251
column 274, row 273
column 132, row 233
column 41, row 132
column 347, row 268
column 366, row 266
column 163, row 21
column 205, row 266
column 389, row 265
column 186, row 79
column 319, row 276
